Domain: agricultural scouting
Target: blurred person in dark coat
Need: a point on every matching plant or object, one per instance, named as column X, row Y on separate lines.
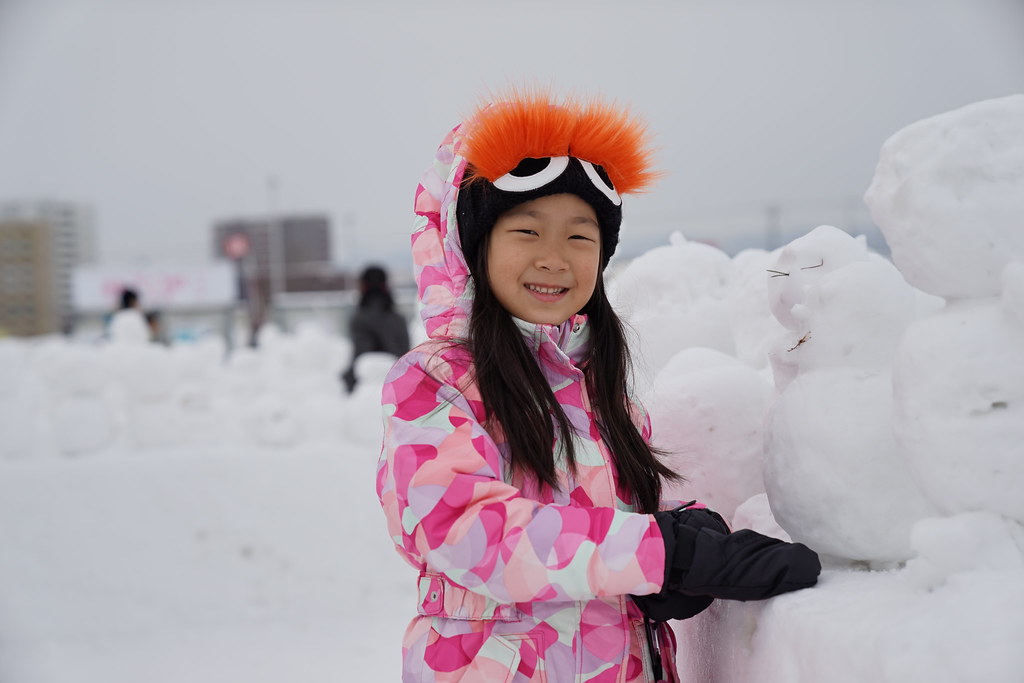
column 375, row 326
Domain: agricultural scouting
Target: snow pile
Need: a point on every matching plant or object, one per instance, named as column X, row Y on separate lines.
column 179, row 513
column 185, row 513
column 75, row 400
column 892, row 441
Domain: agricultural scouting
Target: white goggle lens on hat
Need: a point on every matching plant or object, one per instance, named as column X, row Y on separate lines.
column 600, row 184
column 552, row 170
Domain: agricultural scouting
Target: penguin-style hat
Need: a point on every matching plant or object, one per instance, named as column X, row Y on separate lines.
column 525, row 146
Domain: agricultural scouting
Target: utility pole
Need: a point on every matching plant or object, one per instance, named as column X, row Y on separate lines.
column 772, row 226
column 275, row 245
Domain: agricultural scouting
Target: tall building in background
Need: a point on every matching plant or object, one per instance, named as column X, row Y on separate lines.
column 41, row 242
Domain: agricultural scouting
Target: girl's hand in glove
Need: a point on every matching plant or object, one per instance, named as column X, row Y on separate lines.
column 704, row 561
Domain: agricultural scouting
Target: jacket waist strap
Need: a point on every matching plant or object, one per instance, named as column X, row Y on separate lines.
column 439, row 597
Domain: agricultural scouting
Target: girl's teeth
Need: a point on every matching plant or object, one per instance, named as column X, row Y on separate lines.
column 546, row 290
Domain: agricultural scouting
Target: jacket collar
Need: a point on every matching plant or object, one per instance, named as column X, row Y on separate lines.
column 565, row 344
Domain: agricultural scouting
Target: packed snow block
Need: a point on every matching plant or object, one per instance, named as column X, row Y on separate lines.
column 68, row 369
column 322, row 419
column 14, row 358
column 964, row 543
column 272, row 422
column 681, row 270
column 361, row 414
column 718, row 644
column 948, row 194
column 245, row 374
column 968, row 629
column 834, row 473
column 864, row 626
column 81, row 424
column 78, row 409
column 201, row 412
column 17, row 421
column 747, row 302
column 18, row 404
column 756, row 513
column 1013, row 294
column 314, row 352
column 202, row 360
column 707, row 411
column 673, row 297
column 959, row 406
column 372, row 369
column 146, row 378
column 146, row 372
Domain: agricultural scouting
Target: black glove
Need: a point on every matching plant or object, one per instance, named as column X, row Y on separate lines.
column 672, row 604
column 743, row 565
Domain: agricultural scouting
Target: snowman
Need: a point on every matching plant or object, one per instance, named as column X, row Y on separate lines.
column 949, row 196
column 902, row 391
column 894, row 440
column 833, row 471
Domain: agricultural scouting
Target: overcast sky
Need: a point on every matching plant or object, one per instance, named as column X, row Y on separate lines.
column 167, row 116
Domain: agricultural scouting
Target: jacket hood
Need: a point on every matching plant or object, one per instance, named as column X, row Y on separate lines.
column 443, row 282
column 442, row 274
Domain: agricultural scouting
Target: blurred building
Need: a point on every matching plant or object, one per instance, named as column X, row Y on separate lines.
column 41, row 243
column 304, row 264
column 279, row 262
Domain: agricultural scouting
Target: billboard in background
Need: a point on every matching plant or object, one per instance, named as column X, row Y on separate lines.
column 166, row 287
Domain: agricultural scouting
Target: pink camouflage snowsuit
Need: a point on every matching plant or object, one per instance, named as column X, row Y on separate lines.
column 515, row 583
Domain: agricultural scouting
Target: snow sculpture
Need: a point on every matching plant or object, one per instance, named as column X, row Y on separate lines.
column 754, row 328
column 81, row 419
column 833, row 471
column 707, row 410
column 361, row 417
column 949, row 196
column 17, row 402
column 672, row 297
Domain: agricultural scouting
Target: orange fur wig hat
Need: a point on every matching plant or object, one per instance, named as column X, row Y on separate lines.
column 525, row 146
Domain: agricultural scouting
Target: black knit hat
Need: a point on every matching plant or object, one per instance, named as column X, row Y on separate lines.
column 481, row 203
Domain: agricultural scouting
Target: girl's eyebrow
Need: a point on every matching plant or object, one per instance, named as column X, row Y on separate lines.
column 540, row 215
column 536, row 213
column 519, row 211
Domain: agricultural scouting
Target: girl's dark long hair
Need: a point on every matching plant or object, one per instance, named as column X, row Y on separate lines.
column 516, row 395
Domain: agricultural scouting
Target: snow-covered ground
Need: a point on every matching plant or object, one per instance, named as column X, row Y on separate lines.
column 166, row 515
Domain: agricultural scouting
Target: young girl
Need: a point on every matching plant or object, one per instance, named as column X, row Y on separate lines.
column 516, row 474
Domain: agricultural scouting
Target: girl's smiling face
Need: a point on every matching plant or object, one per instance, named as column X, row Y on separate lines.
column 544, row 258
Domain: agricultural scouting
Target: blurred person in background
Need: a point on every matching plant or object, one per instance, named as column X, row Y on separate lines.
column 375, row 326
column 157, row 334
column 129, row 324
